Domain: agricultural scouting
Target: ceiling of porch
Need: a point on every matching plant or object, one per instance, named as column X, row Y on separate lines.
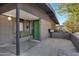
column 23, row 15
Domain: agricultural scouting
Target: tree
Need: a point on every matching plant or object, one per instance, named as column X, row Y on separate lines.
column 72, row 11
column 69, row 26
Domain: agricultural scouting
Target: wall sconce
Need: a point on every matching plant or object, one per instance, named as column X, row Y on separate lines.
column 9, row 18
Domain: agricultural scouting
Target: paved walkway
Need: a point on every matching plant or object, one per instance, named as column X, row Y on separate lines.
column 10, row 50
column 49, row 47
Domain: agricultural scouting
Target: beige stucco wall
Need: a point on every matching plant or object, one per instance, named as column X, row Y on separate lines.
column 29, row 24
column 52, row 24
column 44, row 26
column 8, row 29
column 7, row 32
column 35, row 10
column 26, row 23
column 45, row 21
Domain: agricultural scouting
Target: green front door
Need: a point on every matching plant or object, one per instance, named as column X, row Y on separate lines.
column 36, row 28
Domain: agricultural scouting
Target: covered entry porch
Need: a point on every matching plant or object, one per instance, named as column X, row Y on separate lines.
column 17, row 26
column 24, row 22
column 29, row 24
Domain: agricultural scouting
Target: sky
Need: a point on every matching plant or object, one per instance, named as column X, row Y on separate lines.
column 60, row 18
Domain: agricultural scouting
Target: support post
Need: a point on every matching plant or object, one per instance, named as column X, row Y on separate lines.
column 17, row 31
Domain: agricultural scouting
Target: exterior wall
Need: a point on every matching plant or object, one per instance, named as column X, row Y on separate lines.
column 31, row 27
column 52, row 24
column 7, row 32
column 27, row 28
column 35, row 10
column 7, row 28
column 26, row 23
column 44, row 26
column 45, row 21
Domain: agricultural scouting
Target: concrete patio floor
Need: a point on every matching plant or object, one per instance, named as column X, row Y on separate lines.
column 10, row 50
column 47, row 47
column 50, row 46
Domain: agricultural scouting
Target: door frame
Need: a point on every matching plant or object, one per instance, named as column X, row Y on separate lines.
column 38, row 30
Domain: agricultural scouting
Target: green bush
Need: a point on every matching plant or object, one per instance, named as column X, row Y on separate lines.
column 24, row 33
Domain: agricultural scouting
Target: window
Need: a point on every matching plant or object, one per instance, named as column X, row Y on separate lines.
column 21, row 26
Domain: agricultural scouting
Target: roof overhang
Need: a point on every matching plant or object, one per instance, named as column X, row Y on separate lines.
column 5, row 7
column 46, row 7
column 49, row 10
column 22, row 15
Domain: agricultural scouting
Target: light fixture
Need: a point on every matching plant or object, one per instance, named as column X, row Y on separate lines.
column 9, row 18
